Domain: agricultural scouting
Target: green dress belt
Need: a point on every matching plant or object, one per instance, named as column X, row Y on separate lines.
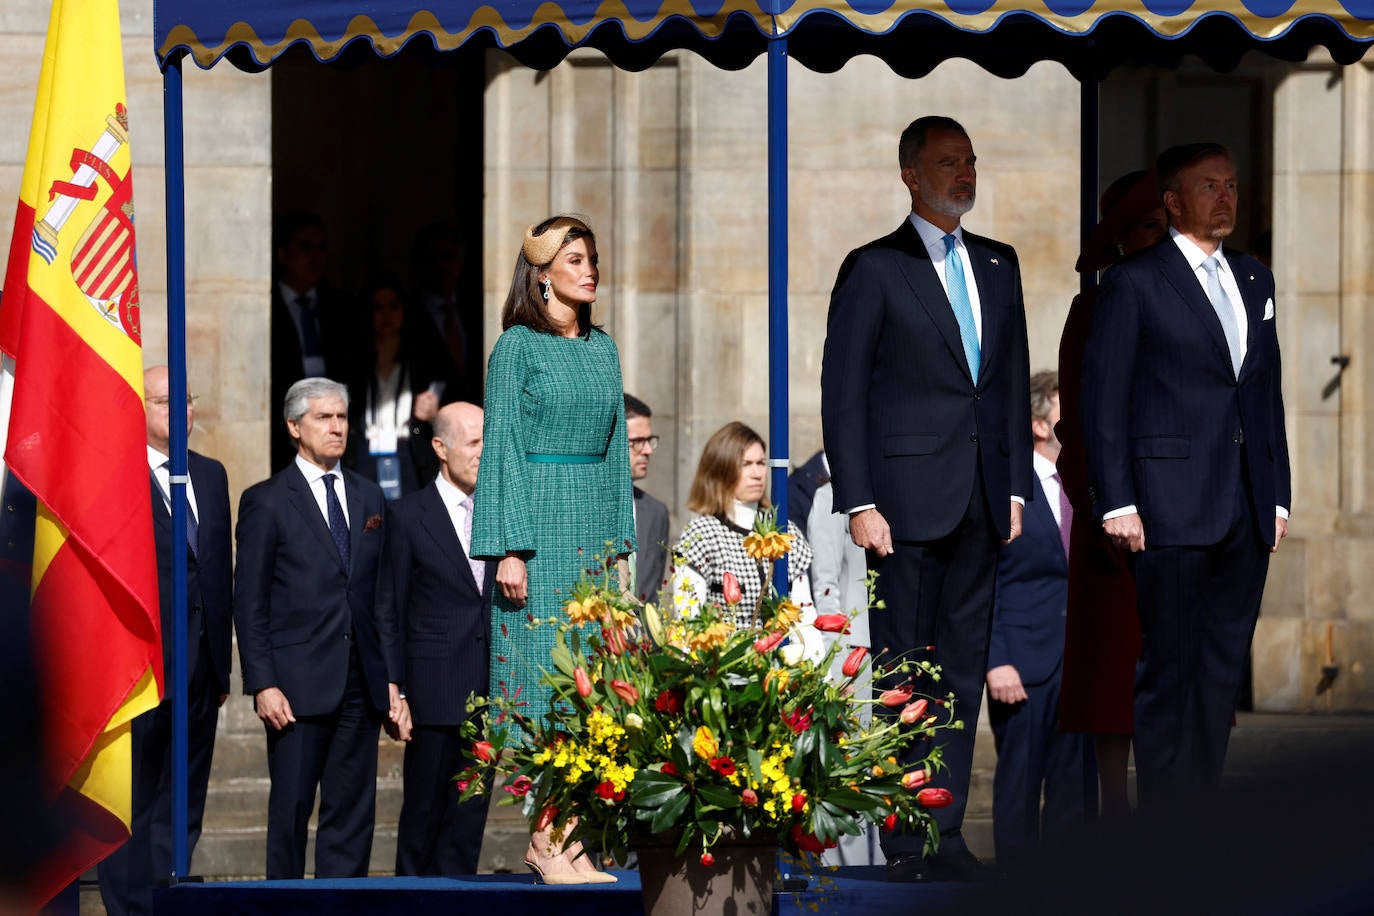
column 539, row 458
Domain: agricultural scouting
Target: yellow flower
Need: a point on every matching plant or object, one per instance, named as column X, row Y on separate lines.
column 713, row 636
column 582, row 612
column 705, row 743
column 780, row 674
column 787, row 615
column 771, row 545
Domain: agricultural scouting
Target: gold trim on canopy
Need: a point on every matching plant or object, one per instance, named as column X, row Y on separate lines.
column 550, row 13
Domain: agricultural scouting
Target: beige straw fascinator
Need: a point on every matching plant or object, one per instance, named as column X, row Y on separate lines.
column 542, row 248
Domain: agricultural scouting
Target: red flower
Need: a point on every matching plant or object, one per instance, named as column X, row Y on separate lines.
column 931, row 797
column 584, row 683
column 767, row 643
column 914, row 712
column 608, row 791
column 462, row 785
column 722, row 765
column 668, row 769
column 832, row 623
column 520, row 787
column 807, row 842
column 915, row 779
column 855, row 662
column 626, row 691
column 797, row 720
column 730, row 588
column 546, row 817
column 706, row 858
column 614, row 640
column 890, row 822
column 897, row 696
column 482, row 750
column 670, row 702
column 799, row 802
column 749, row 798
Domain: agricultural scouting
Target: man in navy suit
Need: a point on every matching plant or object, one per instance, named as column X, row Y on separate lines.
column 649, row 564
column 443, row 601
column 317, row 638
column 1188, row 462
column 1025, row 655
column 924, row 406
column 127, row 876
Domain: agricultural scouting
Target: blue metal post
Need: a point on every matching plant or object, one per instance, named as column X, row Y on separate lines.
column 1087, row 171
column 777, row 287
column 176, row 379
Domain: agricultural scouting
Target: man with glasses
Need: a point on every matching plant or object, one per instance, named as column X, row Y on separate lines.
column 648, row 566
column 128, row 875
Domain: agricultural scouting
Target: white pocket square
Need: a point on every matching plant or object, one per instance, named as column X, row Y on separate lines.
column 1268, row 309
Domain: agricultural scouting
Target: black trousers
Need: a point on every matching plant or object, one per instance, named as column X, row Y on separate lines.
column 338, row 753
column 436, row 835
column 939, row 593
column 128, row 874
column 1198, row 607
column 1033, row 761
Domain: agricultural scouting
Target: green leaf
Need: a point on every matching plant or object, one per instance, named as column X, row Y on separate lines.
column 718, row 796
column 562, row 659
column 855, row 801
column 667, row 816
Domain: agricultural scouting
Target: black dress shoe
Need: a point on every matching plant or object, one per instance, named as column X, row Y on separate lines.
column 909, row 869
column 958, row 865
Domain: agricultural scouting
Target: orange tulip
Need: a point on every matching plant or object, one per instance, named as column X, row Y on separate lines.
column 855, row 662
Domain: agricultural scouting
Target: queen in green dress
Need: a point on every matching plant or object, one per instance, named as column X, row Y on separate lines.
column 554, row 485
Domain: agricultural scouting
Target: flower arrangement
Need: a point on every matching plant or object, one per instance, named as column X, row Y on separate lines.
column 691, row 727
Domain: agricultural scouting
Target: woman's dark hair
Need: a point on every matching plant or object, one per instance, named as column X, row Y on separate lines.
column 525, row 303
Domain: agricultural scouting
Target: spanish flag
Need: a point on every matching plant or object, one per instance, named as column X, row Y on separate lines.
column 69, row 321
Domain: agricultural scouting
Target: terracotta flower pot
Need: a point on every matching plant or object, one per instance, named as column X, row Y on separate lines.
column 738, row 883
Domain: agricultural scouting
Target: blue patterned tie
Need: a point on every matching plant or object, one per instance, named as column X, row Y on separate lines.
column 963, row 307
column 192, row 528
column 1226, row 314
column 338, row 527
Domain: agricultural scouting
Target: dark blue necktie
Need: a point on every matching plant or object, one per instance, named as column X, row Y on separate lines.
column 338, row 527
column 310, row 332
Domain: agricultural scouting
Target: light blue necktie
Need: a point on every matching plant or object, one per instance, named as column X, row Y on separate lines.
column 1226, row 314
column 963, row 308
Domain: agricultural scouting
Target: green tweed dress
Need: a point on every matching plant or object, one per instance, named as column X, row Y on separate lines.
column 554, row 480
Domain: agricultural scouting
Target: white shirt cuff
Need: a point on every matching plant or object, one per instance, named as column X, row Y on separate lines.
column 1117, row 513
column 1019, row 499
column 1281, row 512
column 858, row 509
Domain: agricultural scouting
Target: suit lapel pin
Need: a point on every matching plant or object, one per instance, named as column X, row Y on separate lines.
column 994, row 262
column 1252, row 278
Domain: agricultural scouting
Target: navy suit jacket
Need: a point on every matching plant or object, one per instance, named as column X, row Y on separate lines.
column 1166, row 422
column 1032, row 594
column 906, row 426
column 298, row 610
column 444, row 619
column 209, row 571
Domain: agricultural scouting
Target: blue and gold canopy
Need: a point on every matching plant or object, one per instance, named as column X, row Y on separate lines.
column 912, row 36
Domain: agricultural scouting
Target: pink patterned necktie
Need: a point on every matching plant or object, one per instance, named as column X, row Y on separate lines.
column 1065, row 514
column 478, row 567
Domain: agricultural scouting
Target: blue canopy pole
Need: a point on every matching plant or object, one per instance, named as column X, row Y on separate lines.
column 777, row 288
column 175, row 161
column 1087, row 171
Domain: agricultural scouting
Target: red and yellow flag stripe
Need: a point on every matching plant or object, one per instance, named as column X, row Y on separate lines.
column 77, row 433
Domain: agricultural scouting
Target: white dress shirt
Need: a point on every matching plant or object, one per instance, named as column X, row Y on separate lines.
column 1046, row 471
column 452, row 498
column 162, row 475
column 933, row 237
column 314, row 476
column 1195, row 256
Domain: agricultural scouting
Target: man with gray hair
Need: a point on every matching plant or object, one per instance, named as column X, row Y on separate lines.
column 318, row 638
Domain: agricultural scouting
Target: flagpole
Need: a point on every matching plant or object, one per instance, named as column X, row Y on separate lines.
column 174, row 147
